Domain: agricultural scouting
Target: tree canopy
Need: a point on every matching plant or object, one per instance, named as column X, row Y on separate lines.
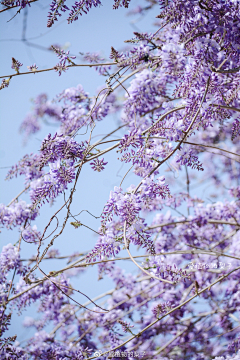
column 173, row 96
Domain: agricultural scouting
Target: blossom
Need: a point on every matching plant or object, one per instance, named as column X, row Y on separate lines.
column 63, row 56
column 9, row 258
column 80, row 7
column 55, row 7
column 60, row 68
column 4, row 84
column 16, row 213
column 55, row 182
column 179, row 113
column 32, row 68
column 16, row 65
column 98, row 165
column 42, row 108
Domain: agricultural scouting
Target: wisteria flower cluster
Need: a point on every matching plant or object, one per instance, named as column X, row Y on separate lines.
column 175, row 95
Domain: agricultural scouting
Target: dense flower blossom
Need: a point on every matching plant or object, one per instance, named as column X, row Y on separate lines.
column 30, row 234
column 9, row 258
column 55, row 182
column 16, row 214
column 179, row 110
column 146, row 93
column 60, row 147
column 74, row 95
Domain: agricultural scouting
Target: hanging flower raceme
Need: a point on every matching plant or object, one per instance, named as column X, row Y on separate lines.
column 61, row 147
column 62, row 172
column 16, row 214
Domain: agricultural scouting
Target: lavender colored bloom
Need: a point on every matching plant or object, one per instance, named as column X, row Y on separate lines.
column 188, row 157
column 28, row 166
column 235, row 192
column 80, row 7
column 4, row 84
column 9, row 258
column 55, row 182
column 60, row 147
column 96, row 58
column 55, row 7
column 115, row 55
column 10, row 3
column 42, row 108
column 16, row 65
column 60, row 68
column 16, row 214
column 236, row 129
column 147, row 91
column 32, row 68
column 12, row 352
column 119, row 3
column 74, row 95
column 181, row 113
column 63, row 56
column 160, row 309
column 30, row 234
column 125, row 326
column 234, row 346
column 98, row 165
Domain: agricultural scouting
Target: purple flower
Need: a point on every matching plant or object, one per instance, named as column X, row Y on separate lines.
column 55, row 7
column 16, row 214
column 160, row 309
column 21, row 3
column 98, row 165
column 30, row 234
column 63, row 56
column 9, row 258
column 80, row 7
column 32, row 68
column 118, row 3
column 4, row 84
column 42, row 108
column 125, row 326
column 60, row 67
column 55, row 182
column 236, row 129
column 28, row 166
column 16, row 65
